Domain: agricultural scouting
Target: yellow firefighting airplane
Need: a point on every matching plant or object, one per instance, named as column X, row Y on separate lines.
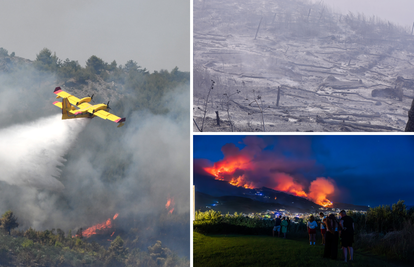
column 86, row 110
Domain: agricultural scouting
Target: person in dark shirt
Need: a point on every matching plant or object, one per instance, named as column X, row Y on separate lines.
column 331, row 244
column 278, row 221
column 347, row 235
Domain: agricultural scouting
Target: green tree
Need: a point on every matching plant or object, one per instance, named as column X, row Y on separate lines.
column 112, row 66
column 117, row 246
column 117, row 253
column 398, row 214
column 69, row 69
column 3, row 52
column 95, row 64
column 45, row 61
column 30, row 234
column 158, row 253
column 131, row 66
column 8, row 221
column 60, row 234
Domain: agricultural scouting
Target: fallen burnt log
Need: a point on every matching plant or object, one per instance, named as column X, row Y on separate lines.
column 358, row 115
column 363, row 126
column 218, row 39
column 388, row 93
column 334, row 83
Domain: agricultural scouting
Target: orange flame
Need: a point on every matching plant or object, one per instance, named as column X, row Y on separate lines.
column 93, row 230
column 170, row 202
column 221, row 169
column 228, row 166
column 98, row 227
column 112, row 234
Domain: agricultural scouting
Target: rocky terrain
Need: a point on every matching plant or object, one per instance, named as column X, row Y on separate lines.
column 283, row 66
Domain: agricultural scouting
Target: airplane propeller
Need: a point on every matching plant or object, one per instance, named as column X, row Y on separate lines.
column 91, row 97
column 107, row 105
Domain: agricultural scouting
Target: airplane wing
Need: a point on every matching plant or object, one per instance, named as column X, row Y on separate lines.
column 58, row 104
column 109, row 116
column 62, row 94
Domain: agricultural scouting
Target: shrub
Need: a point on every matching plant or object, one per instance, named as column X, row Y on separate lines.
column 27, row 243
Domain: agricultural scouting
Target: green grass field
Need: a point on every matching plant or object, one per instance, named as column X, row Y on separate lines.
column 237, row 250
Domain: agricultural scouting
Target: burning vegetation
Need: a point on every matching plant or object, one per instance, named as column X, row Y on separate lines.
column 254, row 167
column 170, row 205
column 98, row 228
column 91, row 247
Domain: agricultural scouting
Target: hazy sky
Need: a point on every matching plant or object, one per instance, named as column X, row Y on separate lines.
column 397, row 11
column 367, row 170
column 155, row 34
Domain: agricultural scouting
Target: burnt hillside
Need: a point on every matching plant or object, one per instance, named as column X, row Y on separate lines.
column 298, row 66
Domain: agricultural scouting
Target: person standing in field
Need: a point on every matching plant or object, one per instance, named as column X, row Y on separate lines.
column 331, row 239
column 288, row 220
column 334, row 251
column 312, row 225
column 284, row 225
column 276, row 228
column 323, row 229
column 347, row 235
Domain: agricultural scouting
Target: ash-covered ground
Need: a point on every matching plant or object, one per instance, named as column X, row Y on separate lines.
column 348, row 73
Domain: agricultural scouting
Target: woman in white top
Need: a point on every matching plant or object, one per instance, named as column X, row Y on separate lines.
column 312, row 225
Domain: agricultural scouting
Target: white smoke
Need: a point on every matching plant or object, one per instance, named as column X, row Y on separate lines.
column 32, row 153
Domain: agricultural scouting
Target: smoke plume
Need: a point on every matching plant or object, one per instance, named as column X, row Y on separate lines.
column 283, row 168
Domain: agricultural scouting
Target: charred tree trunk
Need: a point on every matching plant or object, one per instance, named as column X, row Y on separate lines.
column 410, row 123
column 218, row 118
column 278, row 96
column 258, row 28
column 197, row 125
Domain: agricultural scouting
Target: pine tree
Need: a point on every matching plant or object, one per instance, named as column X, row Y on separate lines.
column 8, row 221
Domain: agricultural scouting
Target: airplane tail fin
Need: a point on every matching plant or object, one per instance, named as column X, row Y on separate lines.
column 65, row 108
column 57, row 91
column 120, row 122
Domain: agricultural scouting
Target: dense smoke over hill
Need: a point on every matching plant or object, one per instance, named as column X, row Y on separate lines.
column 75, row 173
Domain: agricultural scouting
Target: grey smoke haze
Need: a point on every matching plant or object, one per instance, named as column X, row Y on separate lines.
column 77, row 182
column 155, row 34
column 396, row 11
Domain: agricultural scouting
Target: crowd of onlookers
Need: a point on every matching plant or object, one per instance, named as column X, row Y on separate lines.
column 332, row 230
column 281, row 225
